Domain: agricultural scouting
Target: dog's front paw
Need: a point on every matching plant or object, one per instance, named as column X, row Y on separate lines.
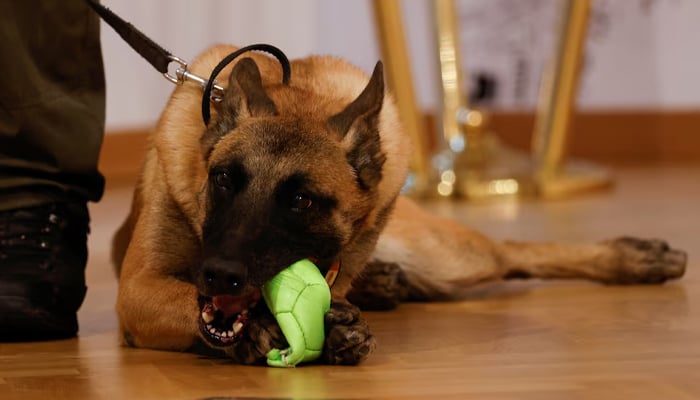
column 261, row 335
column 348, row 338
column 646, row 261
column 341, row 314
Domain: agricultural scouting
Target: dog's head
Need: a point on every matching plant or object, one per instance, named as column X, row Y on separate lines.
column 290, row 175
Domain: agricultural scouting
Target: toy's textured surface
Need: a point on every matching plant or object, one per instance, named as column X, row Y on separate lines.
column 299, row 298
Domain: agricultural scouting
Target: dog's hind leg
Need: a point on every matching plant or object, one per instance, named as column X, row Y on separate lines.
column 439, row 257
column 436, row 256
column 381, row 286
column 624, row 260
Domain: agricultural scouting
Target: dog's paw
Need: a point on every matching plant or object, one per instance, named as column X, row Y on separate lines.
column 341, row 314
column 261, row 335
column 348, row 344
column 380, row 287
column 646, row 261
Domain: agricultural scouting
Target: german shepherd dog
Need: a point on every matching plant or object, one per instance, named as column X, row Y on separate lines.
column 312, row 169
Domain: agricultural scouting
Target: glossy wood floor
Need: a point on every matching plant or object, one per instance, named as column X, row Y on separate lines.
column 518, row 340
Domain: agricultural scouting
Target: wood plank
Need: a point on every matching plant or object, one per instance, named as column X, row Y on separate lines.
column 516, row 340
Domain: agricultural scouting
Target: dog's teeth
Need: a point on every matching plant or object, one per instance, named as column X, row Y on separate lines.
column 224, row 334
column 231, row 333
column 237, row 327
column 207, row 317
column 212, row 331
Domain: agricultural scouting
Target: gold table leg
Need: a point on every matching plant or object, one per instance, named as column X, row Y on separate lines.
column 555, row 176
column 389, row 25
column 462, row 153
column 472, row 163
column 486, row 169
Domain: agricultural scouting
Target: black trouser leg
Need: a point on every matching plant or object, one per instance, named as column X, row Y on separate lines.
column 52, row 102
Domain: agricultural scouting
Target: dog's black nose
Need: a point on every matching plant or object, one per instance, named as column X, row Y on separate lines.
column 219, row 276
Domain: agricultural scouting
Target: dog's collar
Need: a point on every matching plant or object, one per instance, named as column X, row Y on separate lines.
column 332, row 273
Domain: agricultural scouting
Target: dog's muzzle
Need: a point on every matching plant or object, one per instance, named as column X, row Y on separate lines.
column 225, row 300
column 223, row 317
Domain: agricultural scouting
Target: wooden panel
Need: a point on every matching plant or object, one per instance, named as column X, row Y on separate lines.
column 517, row 340
column 639, row 137
column 122, row 155
column 619, row 137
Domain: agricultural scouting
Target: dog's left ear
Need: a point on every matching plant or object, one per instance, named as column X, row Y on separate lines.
column 358, row 125
column 245, row 97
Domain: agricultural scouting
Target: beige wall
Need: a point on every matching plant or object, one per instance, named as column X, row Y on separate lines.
column 640, row 54
column 645, row 60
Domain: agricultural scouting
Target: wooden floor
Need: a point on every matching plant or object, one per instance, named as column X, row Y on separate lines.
column 520, row 340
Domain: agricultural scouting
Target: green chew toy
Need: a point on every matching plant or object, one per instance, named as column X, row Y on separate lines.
column 299, row 298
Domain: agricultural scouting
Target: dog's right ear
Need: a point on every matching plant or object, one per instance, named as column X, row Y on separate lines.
column 358, row 126
column 245, row 97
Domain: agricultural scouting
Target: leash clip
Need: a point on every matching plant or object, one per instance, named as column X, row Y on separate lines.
column 182, row 75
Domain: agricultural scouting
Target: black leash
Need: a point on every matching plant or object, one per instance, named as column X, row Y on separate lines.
column 160, row 58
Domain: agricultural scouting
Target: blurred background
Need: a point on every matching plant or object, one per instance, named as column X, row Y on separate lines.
column 639, row 94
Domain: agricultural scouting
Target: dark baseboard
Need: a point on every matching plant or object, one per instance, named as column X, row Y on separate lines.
column 614, row 138
column 122, row 155
column 634, row 137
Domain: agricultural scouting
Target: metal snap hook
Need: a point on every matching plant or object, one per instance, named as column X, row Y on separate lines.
column 182, row 75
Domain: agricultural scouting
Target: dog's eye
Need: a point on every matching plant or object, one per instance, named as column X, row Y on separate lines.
column 222, row 180
column 301, row 202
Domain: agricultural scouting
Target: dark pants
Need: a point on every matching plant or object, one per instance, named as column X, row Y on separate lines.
column 52, row 102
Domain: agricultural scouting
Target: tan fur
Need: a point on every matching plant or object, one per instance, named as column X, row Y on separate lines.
column 157, row 306
column 440, row 257
column 167, row 195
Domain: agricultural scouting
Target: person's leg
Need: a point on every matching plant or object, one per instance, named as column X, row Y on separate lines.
column 51, row 128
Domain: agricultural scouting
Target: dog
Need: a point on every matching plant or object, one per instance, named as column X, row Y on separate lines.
column 314, row 170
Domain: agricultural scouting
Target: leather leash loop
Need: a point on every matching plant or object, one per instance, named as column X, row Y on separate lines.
column 277, row 53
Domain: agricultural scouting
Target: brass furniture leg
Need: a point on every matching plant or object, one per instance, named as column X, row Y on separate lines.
column 462, row 155
column 556, row 105
column 471, row 163
column 389, row 25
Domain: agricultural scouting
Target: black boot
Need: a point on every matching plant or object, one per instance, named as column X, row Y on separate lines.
column 43, row 252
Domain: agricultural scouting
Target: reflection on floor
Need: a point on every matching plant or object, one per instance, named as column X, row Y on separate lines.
column 524, row 340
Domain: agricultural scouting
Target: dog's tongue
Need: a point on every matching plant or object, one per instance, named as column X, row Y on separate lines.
column 232, row 305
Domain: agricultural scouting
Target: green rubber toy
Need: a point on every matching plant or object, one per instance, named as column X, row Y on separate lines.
column 299, row 298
